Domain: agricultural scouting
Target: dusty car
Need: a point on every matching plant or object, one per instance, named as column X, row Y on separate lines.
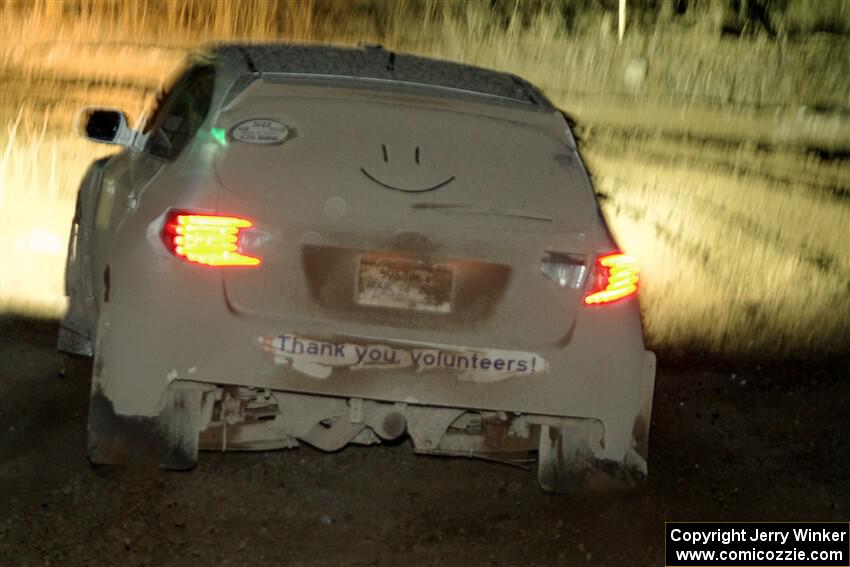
column 335, row 246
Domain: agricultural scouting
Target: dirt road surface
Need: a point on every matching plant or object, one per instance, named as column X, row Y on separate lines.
column 730, row 441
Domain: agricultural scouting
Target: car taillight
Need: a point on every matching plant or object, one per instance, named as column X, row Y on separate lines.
column 210, row 240
column 615, row 276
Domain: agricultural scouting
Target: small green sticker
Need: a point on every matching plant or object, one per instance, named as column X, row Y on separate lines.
column 219, row 135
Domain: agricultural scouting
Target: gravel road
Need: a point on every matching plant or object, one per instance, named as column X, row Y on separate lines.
column 731, row 440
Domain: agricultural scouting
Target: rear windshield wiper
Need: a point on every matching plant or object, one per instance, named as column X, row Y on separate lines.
column 472, row 210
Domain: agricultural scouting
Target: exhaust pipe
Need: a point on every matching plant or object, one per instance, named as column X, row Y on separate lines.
column 392, row 426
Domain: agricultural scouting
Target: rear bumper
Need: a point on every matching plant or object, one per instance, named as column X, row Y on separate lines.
column 571, row 453
column 600, row 370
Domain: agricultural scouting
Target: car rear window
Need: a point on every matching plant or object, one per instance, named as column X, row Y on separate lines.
column 405, row 157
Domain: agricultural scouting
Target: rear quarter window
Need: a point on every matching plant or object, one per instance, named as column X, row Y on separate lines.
column 181, row 112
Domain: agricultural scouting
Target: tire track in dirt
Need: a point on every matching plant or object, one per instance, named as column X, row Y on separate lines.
column 56, row 82
column 60, row 97
column 727, row 268
column 771, row 238
column 827, row 180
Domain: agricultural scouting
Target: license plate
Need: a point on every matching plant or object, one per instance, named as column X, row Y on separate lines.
column 404, row 284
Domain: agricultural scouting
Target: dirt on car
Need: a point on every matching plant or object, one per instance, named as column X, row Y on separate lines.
column 731, row 440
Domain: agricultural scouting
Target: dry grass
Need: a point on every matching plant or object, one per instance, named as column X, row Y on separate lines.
column 38, row 179
column 732, row 262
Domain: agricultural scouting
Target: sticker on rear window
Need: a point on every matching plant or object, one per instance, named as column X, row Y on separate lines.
column 260, row 131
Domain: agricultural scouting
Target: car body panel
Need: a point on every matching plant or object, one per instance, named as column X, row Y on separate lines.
column 314, row 223
column 372, row 177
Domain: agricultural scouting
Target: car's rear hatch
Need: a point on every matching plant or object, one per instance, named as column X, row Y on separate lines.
column 405, row 216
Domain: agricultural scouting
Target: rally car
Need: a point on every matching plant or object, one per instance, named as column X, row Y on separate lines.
column 305, row 244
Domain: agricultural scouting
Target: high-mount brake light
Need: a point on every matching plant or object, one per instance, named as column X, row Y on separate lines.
column 209, row 240
column 615, row 276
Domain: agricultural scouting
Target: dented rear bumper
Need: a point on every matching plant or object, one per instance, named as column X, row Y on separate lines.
column 199, row 416
column 598, row 372
column 330, row 392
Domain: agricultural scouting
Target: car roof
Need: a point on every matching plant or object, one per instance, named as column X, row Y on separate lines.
column 372, row 63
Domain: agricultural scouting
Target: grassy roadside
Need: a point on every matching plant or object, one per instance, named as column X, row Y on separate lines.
column 744, row 245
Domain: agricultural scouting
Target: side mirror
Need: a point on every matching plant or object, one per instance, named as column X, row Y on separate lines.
column 104, row 125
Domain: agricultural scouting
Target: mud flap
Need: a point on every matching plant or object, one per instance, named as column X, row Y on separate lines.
column 643, row 421
column 75, row 332
column 169, row 439
column 567, row 463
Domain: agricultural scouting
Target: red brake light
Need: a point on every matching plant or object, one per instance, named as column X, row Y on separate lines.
column 210, row 240
column 615, row 276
